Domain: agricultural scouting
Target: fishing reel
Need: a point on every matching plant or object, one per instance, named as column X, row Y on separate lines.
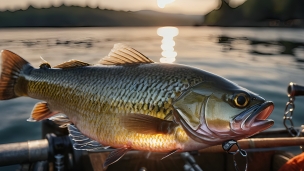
column 54, row 152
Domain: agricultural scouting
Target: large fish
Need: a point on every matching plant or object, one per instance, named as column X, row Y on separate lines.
column 128, row 102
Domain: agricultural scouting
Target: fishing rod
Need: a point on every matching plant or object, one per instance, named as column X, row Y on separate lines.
column 257, row 143
column 46, row 149
column 24, row 152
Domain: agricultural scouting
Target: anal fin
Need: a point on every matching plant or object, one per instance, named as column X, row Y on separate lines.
column 41, row 111
column 82, row 142
column 115, row 155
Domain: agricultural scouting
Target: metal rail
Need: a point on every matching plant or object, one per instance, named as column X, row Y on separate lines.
column 24, row 152
column 294, row 89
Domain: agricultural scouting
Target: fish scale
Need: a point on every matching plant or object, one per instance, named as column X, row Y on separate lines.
column 115, row 93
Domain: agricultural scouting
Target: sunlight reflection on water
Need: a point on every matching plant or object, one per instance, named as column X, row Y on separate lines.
column 168, row 43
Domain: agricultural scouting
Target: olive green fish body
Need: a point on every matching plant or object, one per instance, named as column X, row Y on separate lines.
column 96, row 97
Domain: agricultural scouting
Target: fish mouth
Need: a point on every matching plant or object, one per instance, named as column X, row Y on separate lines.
column 254, row 120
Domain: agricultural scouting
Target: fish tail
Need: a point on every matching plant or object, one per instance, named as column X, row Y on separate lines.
column 12, row 85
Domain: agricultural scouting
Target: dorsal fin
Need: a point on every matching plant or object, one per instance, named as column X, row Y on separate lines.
column 122, row 54
column 72, row 64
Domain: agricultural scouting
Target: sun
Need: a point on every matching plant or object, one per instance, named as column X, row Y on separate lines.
column 163, row 3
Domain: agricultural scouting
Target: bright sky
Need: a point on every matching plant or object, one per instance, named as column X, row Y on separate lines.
column 173, row 6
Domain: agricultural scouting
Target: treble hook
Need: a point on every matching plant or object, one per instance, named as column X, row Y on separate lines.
column 227, row 145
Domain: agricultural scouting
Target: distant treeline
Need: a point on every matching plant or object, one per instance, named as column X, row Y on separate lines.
column 279, row 13
column 74, row 16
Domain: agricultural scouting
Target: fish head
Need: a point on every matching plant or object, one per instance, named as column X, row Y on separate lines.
column 214, row 111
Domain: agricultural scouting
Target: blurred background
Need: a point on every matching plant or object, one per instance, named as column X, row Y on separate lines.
column 259, row 44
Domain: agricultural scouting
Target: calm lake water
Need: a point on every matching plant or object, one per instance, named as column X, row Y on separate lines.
column 260, row 59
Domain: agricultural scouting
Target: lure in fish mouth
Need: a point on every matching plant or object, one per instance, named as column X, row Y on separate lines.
column 128, row 102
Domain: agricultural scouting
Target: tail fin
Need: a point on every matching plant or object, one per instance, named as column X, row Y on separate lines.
column 11, row 67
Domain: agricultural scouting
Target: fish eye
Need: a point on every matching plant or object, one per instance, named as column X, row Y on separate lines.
column 241, row 100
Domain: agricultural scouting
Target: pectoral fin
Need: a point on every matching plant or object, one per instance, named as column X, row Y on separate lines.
column 41, row 111
column 115, row 155
column 146, row 124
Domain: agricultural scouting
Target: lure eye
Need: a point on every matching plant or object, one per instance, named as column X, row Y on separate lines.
column 241, row 100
